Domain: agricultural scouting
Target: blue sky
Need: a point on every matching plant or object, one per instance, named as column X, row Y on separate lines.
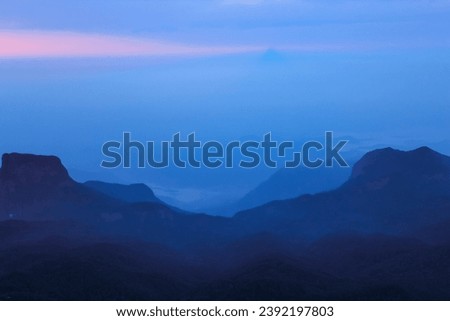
column 74, row 74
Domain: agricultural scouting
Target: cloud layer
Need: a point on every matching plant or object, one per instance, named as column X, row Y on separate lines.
column 35, row 44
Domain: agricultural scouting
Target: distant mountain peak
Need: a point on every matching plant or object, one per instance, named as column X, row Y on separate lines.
column 388, row 162
column 33, row 169
column 424, row 149
column 272, row 56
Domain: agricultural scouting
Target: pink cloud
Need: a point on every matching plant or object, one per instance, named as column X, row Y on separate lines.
column 36, row 44
column 16, row 44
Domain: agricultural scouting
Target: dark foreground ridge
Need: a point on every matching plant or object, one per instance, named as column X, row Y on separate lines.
column 384, row 234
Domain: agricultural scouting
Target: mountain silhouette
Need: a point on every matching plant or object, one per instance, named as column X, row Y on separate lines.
column 428, row 170
column 29, row 184
column 291, row 182
column 26, row 170
column 381, row 235
column 389, row 191
column 37, row 188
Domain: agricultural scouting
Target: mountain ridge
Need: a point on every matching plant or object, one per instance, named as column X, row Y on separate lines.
column 381, row 195
column 367, row 239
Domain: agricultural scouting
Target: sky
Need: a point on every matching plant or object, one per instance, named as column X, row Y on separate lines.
column 75, row 74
